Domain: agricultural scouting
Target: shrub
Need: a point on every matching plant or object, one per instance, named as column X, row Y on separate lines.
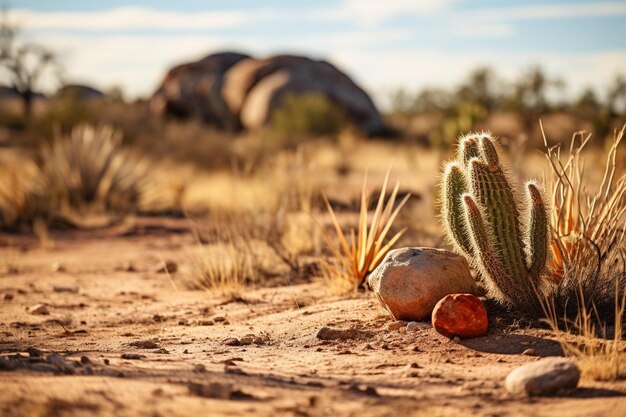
column 306, row 115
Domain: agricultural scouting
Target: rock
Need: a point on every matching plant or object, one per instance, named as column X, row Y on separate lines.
column 58, row 362
column 253, row 89
column 414, row 326
column 59, row 288
column 194, row 90
column 410, row 281
column 58, row 267
column 329, row 333
column 34, row 352
column 166, row 267
column 545, row 377
column 132, row 356
column 247, row 340
column 8, row 296
column 39, row 309
column 145, row 344
column 216, row 390
column 232, row 341
column 79, row 92
column 529, row 352
column 460, row 315
column 394, row 325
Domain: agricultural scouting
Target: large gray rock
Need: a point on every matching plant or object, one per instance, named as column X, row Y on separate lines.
column 254, row 88
column 195, row 90
column 547, row 376
column 410, row 281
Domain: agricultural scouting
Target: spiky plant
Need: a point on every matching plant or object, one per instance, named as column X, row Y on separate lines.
column 365, row 248
column 90, row 167
column 508, row 245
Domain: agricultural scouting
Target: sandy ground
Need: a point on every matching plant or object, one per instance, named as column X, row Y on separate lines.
column 132, row 342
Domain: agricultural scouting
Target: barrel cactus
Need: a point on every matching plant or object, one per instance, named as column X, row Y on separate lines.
column 508, row 245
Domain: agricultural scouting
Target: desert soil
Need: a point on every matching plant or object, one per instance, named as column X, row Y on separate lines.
column 133, row 341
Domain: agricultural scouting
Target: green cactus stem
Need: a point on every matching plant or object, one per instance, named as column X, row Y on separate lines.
column 483, row 221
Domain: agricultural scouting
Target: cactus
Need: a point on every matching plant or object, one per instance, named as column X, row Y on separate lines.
column 484, row 224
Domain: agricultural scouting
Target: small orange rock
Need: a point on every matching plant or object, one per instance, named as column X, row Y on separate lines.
column 462, row 315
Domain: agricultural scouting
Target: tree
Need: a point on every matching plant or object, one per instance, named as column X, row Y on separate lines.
column 25, row 63
column 480, row 88
column 530, row 95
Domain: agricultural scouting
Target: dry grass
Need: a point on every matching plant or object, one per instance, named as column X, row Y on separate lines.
column 599, row 350
column 23, row 193
column 587, row 274
column 589, row 226
column 362, row 251
column 89, row 167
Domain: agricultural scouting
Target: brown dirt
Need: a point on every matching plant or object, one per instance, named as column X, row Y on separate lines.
column 153, row 348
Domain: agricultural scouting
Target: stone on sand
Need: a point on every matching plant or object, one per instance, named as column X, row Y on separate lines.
column 545, row 377
column 410, row 281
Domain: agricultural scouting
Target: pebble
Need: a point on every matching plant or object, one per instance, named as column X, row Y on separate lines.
column 232, row 341
column 168, row 266
column 414, row 326
column 462, row 315
column 330, row 333
column 39, row 309
column 132, row 356
column 529, row 352
column 394, row 325
column 544, row 377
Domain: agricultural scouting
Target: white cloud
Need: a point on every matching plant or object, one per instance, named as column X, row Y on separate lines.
column 564, row 11
column 136, row 63
column 128, row 18
column 374, row 12
column 483, row 30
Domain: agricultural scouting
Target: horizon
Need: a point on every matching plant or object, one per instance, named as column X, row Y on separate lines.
column 399, row 44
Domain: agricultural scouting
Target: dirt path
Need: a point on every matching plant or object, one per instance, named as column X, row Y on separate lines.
column 132, row 342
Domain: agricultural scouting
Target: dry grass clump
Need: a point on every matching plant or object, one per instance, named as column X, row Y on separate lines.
column 90, row 167
column 87, row 170
column 600, row 354
column 23, row 194
column 587, row 273
column 589, row 227
column 362, row 250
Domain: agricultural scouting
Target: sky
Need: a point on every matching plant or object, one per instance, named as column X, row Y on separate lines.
column 382, row 44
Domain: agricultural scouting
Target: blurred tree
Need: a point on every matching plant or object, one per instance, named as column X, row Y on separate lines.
column 616, row 98
column 530, row 95
column 480, row 88
column 24, row 62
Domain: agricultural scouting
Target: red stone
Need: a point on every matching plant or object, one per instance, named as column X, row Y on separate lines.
column 462, row 315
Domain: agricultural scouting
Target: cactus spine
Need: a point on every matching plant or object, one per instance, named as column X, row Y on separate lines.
column 484, row 223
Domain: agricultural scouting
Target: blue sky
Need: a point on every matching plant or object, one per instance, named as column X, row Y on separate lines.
column 384, row 44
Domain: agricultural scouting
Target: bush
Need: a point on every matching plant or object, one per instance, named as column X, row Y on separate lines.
column 306, row 115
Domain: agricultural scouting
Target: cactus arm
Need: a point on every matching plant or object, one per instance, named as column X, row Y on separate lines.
column 453, row 187
column 537, row 231
column 485, row 258
column 469, row 149
column 492, row 191
column 489, row 152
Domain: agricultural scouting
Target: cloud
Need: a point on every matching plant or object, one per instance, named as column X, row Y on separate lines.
column 374, row 12
column 129, row 18
column 547, row 11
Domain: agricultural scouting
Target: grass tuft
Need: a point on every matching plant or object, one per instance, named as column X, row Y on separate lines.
column 362, row 250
